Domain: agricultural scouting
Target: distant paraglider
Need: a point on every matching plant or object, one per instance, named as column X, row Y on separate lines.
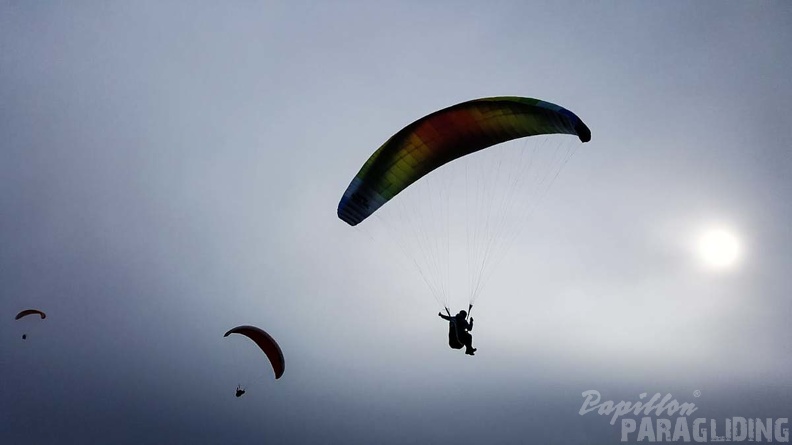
column 266, row 343
column 28, row 312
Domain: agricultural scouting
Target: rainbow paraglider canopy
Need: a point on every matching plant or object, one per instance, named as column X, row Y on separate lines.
column 445, row 135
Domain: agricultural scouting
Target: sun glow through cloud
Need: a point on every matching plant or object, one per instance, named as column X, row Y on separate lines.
column 719, row 248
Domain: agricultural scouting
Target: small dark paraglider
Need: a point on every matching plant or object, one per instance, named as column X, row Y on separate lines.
column 28, row 312
column 267, row 344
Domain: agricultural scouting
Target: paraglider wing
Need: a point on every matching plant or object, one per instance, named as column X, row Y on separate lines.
column 27, row 312
column 266, row 343
column 445, row 135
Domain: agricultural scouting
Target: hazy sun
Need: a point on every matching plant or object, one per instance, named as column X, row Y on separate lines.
column 719, row 248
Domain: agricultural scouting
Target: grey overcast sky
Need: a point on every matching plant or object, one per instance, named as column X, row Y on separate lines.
column 169, row 170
